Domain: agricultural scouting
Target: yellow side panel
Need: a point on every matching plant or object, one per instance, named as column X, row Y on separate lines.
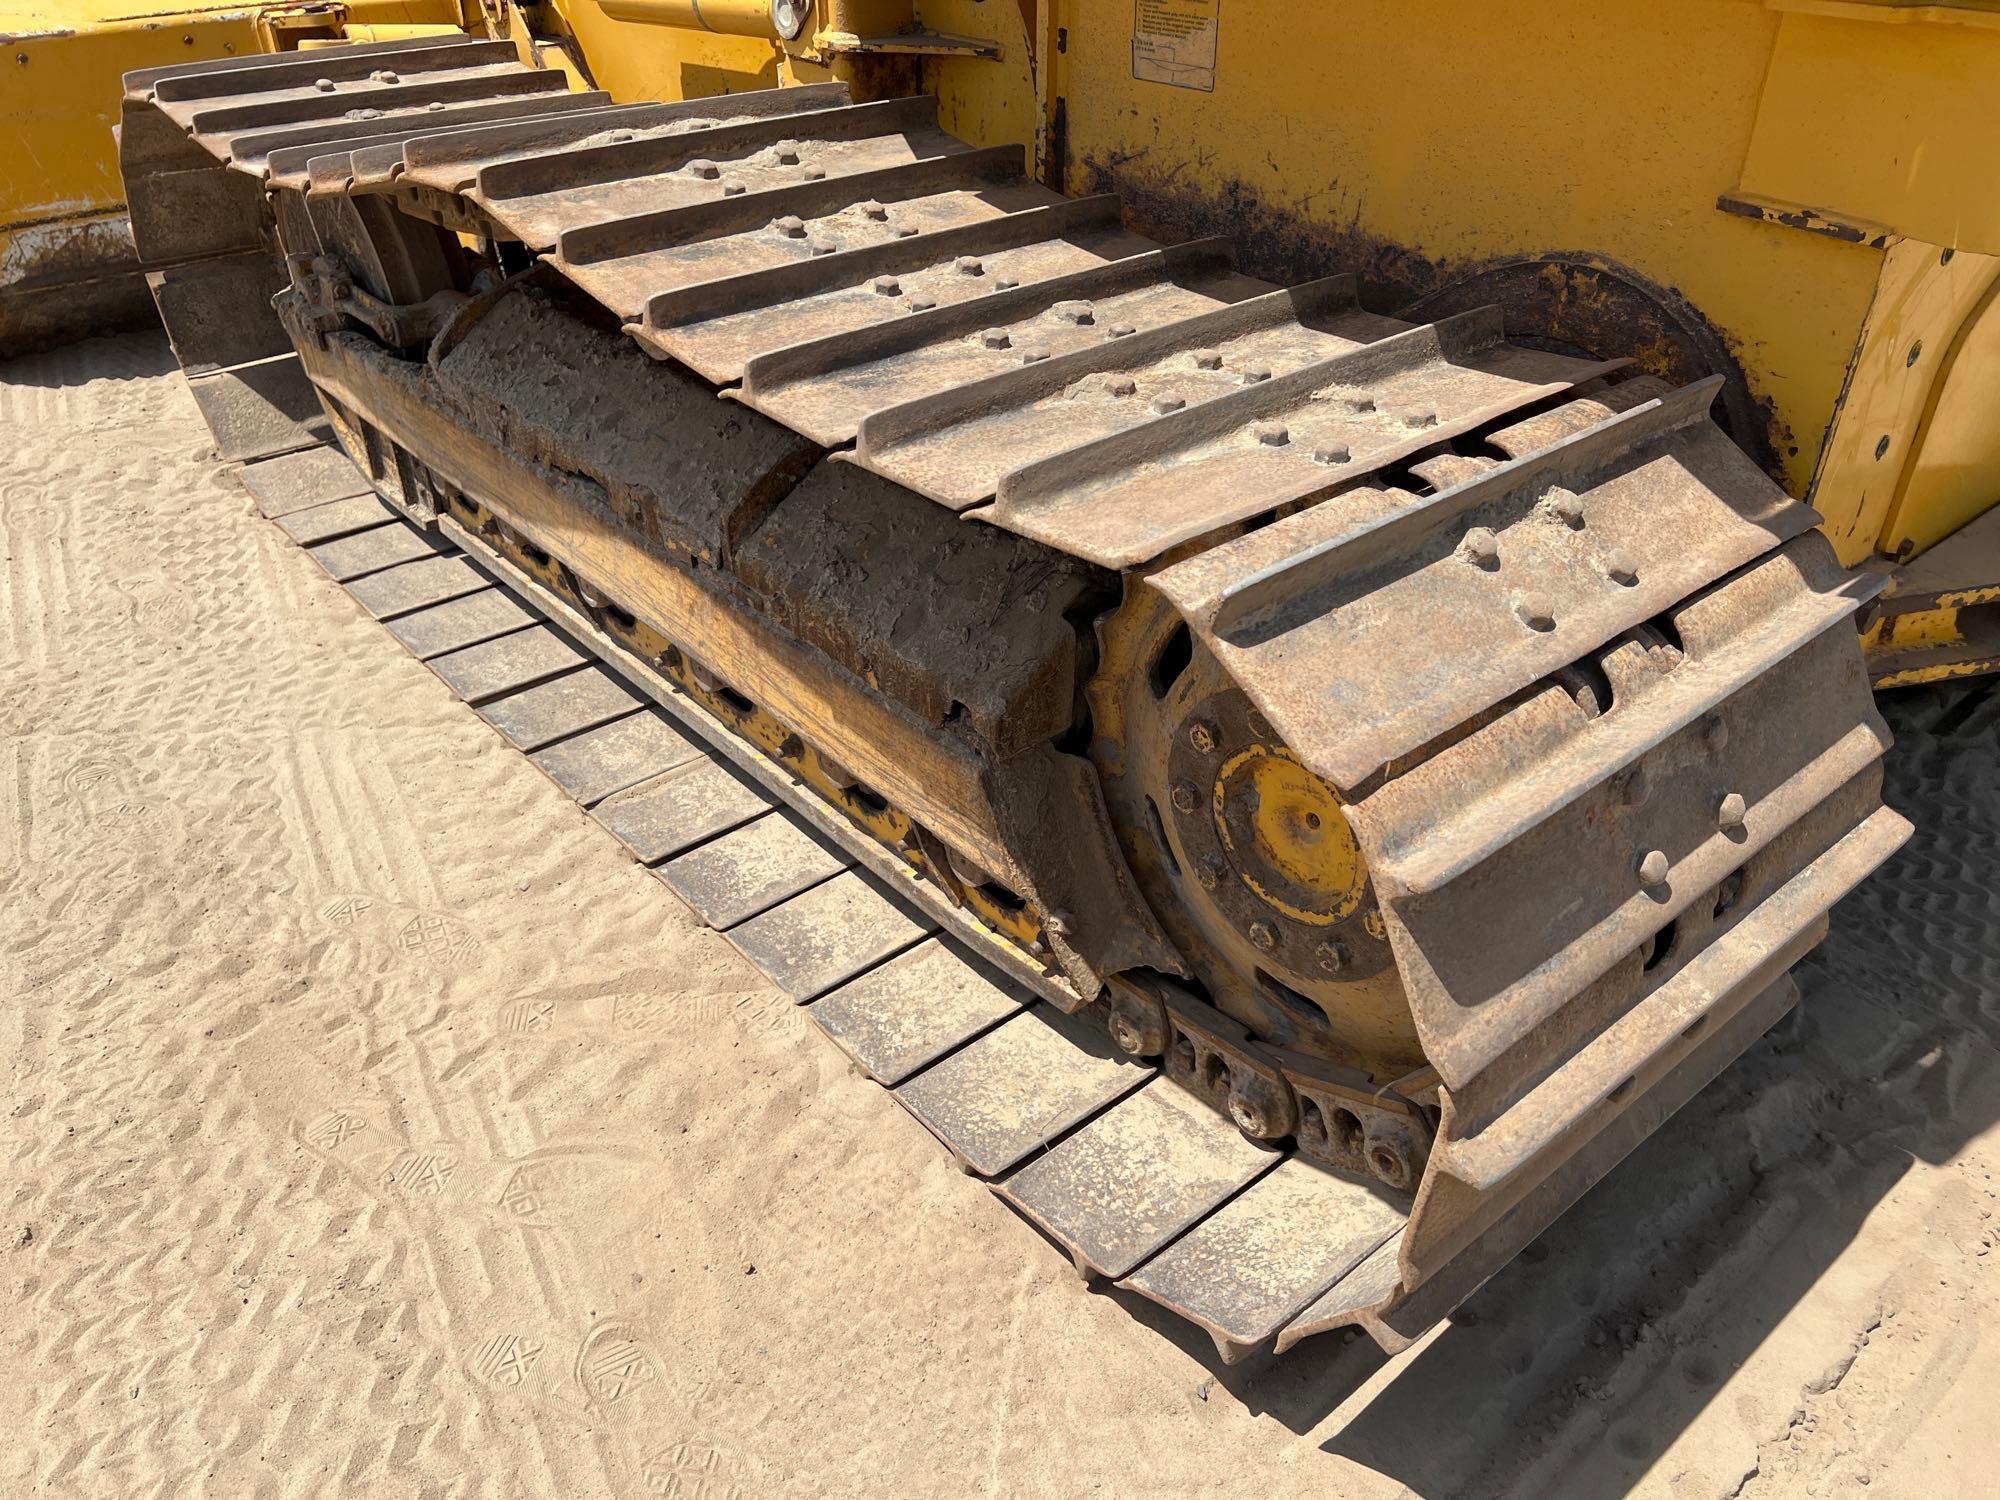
column 59, row 101
column 1954, row 475
column 1886, row 114
column 1464, row 133
column 988, row 101
column 1925, row 296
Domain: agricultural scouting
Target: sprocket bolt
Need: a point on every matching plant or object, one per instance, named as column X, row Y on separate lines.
column 1730, row 813
column 1331, row 956
column 1186, row 798
column 1210, row 871
column 1263, row 936
column 1201, row 735
column 1481, row 548
column 1654, row 867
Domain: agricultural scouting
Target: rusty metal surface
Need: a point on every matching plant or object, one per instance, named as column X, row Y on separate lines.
column 592, row 765
column 752, row 869
column 915, row 1008
column 507, row 665
column 1019, row 1086
column 827, row 935
column 299, row 481
column 336, row 518
column 355, row 557
column 1249, row 1268
column 570, row 704
column 452, row 626
column 416, row 585
column 1611, row 655
column 680, row 808
column 1135, row 1178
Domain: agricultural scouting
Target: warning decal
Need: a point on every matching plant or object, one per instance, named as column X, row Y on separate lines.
column 1173, row 41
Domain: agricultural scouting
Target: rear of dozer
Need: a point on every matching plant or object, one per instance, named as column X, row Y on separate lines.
column 1388, row 768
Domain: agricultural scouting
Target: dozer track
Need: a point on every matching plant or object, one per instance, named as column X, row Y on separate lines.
column 1368, row 775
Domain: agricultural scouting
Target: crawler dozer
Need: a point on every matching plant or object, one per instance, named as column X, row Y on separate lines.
column 1347, row 672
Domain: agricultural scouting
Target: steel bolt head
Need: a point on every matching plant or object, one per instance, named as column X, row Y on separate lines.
column 791, row 226
column 732, row 189
column 1536, row 611
column 1079, row 313
column 904, row 231
column 1186, row 798
column 1004, row 283
column 787, row 152
column 384, row 75
column 1120, row 331
column 1256, row 374
column 1567, row 507
column 324, row 85
column 1201, row 735
column 1272, row 434
column 971, row 265
column 1167, row 401
column 825, row 247
column 814, row 174
column 1730, row 813
column 1263, row 936
column 874, row 210
column 1361, row 403
column 1331, row 956
column 922, row 302
column 888, row 286
column 1126, row 1035
column 1207, row 359
column 1481, row 548
column 1120, row 385
column 1620, row 568
column 1210, row 871
column 620, row 137
column 996, row 338
column 1654, row 867
column 1033, row 356
column 1332, row 453
column 1422, row 417
column 703, row 168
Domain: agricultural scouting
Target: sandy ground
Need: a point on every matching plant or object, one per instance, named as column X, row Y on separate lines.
column 375, row 1127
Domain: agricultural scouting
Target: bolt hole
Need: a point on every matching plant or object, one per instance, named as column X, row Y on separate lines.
column 1916, row 353
column 535, row 554
column 1312, row 1124
column 621, row 621
column 1882, row 448
column 998, row 895
column 1183, row 1057
column 1214, row 1072
column 741, row 704
column 1312, row 821
column 1728, row 893
column 1175, row 657
column 1659, row 945
column 867, row 799
column 1347, row 1131
column 1383, row 1161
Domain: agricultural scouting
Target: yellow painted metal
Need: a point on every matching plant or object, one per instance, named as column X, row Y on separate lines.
column 1296, row 828
column 755, row 18
column 1886, row 113
column 1954, row 471
column 1888, row 462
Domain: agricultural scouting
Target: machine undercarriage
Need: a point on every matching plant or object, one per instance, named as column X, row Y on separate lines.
column 1427, row 751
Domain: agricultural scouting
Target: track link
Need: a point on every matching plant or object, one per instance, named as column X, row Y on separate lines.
column 1581, row 679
